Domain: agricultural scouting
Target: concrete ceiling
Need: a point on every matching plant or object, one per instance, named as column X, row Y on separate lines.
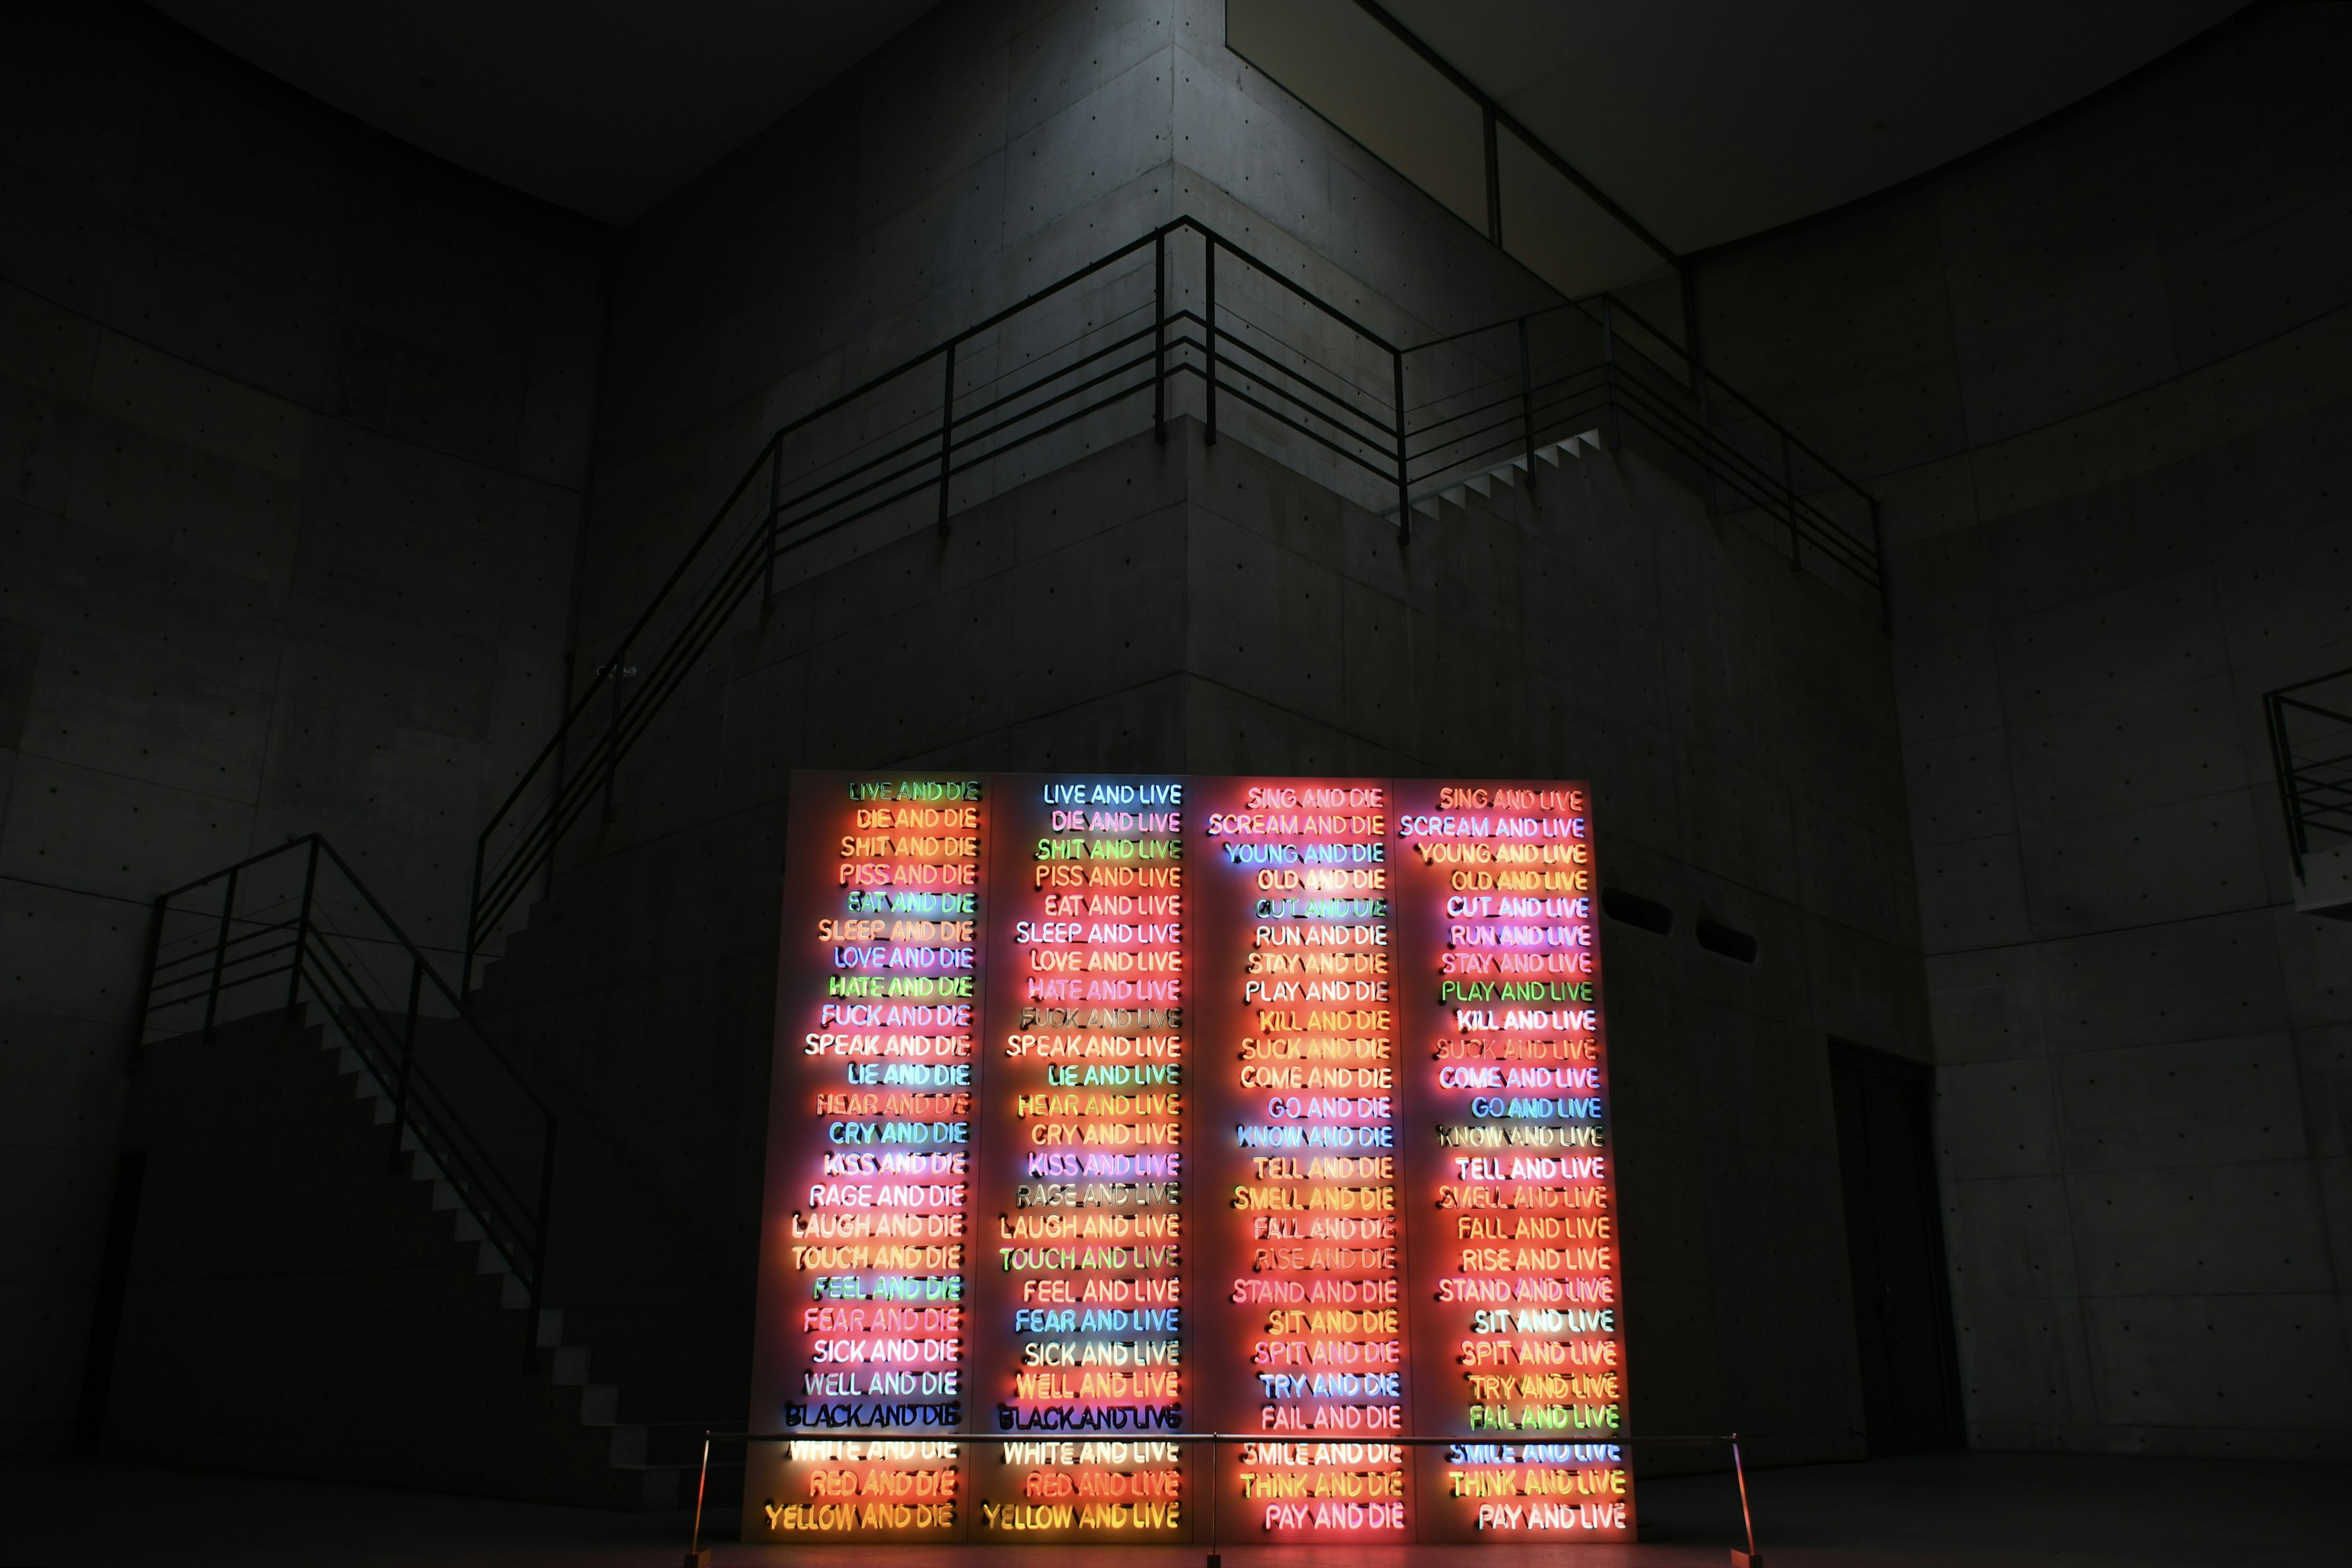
column 601, row 106
column 1706, row 118
column 1709, row 119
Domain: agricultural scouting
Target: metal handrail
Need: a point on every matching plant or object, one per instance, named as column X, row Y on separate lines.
column 1365, row 428
column 313, row 955
column 1217, row 1441
column 790, row 522
column 2313, row 790
column 1623, row 383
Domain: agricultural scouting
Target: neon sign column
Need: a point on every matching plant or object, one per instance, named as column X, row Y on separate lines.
column 861, row 1338
column 1518, row 1237
column 1295, row 968
column 1081, row 1305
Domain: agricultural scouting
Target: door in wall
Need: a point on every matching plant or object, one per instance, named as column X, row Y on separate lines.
column 1894, row 1237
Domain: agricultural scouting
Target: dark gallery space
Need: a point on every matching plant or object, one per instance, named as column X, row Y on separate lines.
column 1301, row 781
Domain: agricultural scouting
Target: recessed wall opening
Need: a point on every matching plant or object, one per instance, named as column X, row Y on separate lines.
column 1716, row 937
column 1646, row 914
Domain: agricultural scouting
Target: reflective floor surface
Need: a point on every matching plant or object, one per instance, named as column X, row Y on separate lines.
column 2013, row 1510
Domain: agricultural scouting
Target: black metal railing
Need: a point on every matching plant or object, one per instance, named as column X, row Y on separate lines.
column 2310, row 726
column 1095, row 358
column 1497, row 394
column 295, row 925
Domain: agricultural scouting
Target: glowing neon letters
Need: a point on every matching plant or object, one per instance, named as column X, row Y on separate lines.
column 1110, row 1110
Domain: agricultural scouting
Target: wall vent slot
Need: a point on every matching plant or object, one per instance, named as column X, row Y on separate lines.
column 1632, row 909
column 1722, row 938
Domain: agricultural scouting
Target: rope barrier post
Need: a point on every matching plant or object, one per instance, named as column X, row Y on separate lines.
column 1751, row 1558
column 697, row 1554
column 1216, row 1451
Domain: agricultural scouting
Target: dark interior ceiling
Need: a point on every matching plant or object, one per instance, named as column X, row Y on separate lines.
column 1706, row 118
column 601, row 106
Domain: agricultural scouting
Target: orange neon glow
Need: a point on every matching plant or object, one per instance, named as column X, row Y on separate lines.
column 1113, row 1108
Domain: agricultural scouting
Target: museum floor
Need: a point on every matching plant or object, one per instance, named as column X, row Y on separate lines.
column 1934, row 1511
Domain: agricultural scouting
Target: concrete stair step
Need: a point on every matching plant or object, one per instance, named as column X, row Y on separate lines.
column 1482, row 484
column 638, row 1316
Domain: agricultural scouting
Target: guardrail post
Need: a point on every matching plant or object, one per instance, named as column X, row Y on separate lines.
column 220, row 956
column 1160, row 337
column 147, row 979
column 1608, row 361
column 947, row 430
column 1789, row 500
column 768, row 556
column 301, row 933
column 407, row 1058
column 1527, row 406
column 2289, row 789
column 1405, row 489
column 1208, row 314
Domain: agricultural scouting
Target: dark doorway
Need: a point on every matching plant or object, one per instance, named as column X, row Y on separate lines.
column 1894, row 1237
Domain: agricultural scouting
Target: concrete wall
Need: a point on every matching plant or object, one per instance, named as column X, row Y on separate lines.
column 1207, row 609
column 2102, row 376
column 1738, row 721
column 294, row 423
column 991, row 149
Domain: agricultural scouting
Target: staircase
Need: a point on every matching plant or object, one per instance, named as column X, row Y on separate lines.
column 1482, row 483
column 570, row 1352
column 638, row 1320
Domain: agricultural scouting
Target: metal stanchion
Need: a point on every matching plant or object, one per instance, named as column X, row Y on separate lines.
column 1216, row 1450
column 697, row 1555
column 1751, row 1558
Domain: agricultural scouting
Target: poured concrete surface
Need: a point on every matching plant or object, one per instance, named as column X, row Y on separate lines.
column 2100, row 379
column 1939, row 1511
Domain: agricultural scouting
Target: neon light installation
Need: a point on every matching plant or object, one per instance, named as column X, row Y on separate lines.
column 1109, row 1110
